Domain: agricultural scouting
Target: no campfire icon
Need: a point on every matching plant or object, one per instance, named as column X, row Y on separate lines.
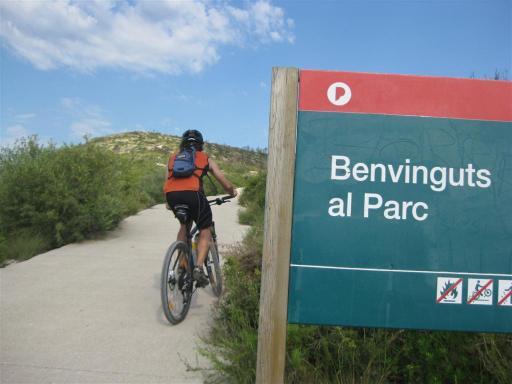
column 449, row 290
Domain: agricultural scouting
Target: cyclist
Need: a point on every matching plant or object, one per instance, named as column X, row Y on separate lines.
column 189, row 191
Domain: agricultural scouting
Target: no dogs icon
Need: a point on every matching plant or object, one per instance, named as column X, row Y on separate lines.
column 505, row 293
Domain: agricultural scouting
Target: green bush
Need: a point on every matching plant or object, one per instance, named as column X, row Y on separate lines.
column 145, row 179
column 23, row 245
column 3, row 250
column 316, row 354
column 61, row 195
column 253, row 199
column 233, row 338
column 152, row 179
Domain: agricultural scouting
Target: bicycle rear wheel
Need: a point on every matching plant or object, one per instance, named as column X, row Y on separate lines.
column 176, row 283
column 213, row 268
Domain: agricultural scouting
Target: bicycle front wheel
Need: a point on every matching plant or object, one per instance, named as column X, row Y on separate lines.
column 176, row 283
column 214, row 270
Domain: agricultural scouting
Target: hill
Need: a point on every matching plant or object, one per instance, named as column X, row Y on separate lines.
column 159, row 145
column 238, row 163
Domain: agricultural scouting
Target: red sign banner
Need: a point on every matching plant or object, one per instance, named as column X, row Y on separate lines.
column 367, row 93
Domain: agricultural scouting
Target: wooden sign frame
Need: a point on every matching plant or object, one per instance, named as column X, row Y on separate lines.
column 278, row 226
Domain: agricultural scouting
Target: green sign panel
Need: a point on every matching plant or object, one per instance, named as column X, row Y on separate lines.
column 402, row 211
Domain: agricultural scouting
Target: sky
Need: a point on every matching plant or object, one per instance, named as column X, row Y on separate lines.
column 75, row 68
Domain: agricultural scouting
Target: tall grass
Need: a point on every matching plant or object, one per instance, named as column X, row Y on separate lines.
column 52, row 196
column 317, row 354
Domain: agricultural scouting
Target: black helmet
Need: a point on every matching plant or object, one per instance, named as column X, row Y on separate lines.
column 192, row 137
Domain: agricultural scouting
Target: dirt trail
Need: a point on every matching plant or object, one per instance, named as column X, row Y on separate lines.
column 91, row 312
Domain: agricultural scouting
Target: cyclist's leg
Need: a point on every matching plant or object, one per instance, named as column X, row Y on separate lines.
column 182, row 236
column 204, row 221
column 205, row 236
column 198, row 273
column 173, row 199
column 182, row 233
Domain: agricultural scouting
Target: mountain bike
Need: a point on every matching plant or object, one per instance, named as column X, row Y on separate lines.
column 177, row 285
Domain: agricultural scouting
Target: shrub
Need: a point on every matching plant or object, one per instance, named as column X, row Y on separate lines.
column 233, row 338
column 3, row 250
column 152, row 179
column 62, row 195
column 253, row 199
column 23, row 245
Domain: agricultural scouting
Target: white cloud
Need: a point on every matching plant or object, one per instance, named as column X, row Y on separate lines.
column 24, row 116
column 167, row 122
column 69, row 103
column 17, row 131
column 145, row 36
column 269, row 22
column 76, row 107
column 91, row 127
column 87, row 119
column 13, row 133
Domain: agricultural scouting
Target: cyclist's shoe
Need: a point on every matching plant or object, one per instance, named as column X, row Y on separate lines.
column 200, row 278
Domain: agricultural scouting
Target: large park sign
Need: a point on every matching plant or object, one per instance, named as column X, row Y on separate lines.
column 401, row 212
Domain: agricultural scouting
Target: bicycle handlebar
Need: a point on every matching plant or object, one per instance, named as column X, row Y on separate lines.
column 220, row 200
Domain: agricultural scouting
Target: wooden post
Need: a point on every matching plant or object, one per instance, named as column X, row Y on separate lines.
column 278, row 225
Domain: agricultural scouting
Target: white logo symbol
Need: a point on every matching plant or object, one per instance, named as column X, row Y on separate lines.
column 331, row 94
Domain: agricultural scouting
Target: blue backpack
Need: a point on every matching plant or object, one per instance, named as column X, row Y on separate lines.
column 184, row 163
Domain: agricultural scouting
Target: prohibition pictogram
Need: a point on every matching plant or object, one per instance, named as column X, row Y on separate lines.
column 480, row 291
column 505, row 293
column 448, row 290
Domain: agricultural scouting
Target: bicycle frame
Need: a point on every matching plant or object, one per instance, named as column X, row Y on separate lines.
column 170, row 281
column 191, row 232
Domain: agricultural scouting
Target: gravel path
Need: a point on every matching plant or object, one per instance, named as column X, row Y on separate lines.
column 91, row 313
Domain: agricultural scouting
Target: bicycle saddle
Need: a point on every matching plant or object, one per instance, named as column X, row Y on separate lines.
column 181, row 211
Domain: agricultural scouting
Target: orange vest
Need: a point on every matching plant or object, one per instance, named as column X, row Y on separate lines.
column 191, row 183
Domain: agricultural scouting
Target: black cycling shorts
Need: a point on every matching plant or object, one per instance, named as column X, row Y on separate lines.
column 199, row 208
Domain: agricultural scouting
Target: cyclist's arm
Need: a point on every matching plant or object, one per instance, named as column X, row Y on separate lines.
column 217, row 173
column 166, row 177
column 167, row 167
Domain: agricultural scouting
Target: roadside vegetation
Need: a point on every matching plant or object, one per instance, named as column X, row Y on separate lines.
column 318, row 354
column 51, row 196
